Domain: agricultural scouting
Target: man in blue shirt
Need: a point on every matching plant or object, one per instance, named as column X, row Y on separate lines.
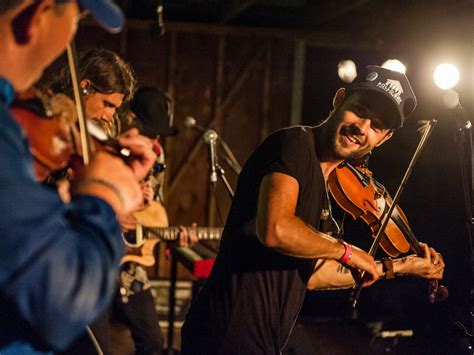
column 58, row 261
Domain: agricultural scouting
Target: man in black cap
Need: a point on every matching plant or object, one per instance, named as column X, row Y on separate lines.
column 277, row 241
column 152, row 113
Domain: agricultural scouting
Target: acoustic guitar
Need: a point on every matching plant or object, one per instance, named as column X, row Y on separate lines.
column 141, row 242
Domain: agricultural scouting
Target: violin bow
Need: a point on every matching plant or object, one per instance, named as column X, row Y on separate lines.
column 87, row 148
column 425, row 129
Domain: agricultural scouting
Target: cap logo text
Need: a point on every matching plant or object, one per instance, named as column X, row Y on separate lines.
column 393, row 88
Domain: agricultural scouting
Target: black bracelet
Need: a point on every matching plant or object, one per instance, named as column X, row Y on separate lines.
column 387, row 267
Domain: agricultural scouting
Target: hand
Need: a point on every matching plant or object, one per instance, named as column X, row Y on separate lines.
column 430, row 266
column 63, row 190
column 141, row 148
column 361, row 261
column 186, row 239
column 127, row 221
column 108, row 177
column 147, row 190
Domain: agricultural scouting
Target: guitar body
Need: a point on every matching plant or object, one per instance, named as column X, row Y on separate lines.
column 142, row 255
column 154, row 215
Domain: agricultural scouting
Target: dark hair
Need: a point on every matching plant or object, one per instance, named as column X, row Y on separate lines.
column 7, row 5
column 106, row 70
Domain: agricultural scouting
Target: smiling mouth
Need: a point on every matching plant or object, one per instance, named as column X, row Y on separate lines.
column 350, row 139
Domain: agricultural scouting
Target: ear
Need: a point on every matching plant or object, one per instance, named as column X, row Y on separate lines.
column 37, row 19
column 339, row 97
column 384, row 139
column 26, row 22
column 84, row 83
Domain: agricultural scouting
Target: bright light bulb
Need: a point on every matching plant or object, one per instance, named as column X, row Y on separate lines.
column 347, row 71
column 395, row 65
column 446, row 76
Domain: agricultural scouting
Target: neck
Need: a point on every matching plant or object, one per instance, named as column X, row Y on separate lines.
column 328, row 166
column 327, row 161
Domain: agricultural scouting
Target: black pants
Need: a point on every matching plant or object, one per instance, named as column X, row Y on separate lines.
column 140, row 316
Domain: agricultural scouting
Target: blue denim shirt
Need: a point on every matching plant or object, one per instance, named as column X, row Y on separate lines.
column 58, row 261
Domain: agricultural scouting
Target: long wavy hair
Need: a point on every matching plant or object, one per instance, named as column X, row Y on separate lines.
column 106, row 70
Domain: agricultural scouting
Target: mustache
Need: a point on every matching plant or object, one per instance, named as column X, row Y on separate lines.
column 351, row 130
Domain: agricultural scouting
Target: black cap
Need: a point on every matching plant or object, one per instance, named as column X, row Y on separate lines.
column 154, row 112
column 393, row 85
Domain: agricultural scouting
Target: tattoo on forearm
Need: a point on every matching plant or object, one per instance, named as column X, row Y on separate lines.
column 341, row 269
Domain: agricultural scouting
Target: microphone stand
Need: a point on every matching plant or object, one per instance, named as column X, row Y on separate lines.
column 466, row 160
column 221, row 173
column 215, row 170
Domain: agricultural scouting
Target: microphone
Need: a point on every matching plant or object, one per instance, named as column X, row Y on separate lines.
column 210, row 137
column 190, row 122
column 451, row 102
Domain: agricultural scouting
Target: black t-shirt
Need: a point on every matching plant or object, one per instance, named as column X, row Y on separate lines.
column 251, row 300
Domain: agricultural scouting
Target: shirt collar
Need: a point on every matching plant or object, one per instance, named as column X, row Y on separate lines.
column 7, row 92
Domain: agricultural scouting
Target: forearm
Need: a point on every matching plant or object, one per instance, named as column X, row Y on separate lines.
column 329, row 274
column 291, row 236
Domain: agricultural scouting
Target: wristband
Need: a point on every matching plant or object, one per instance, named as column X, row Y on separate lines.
column 347, row 253
column 387, row 266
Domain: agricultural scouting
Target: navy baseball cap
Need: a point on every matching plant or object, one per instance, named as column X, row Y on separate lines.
column 154, row 112
column 106, row 12
column 391, row 84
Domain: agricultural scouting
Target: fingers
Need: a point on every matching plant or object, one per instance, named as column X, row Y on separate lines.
column 133, row 132
column 426, row 251
column 366, row 263
column 183, row 237
column 107, row 177
column 141, row 148
column 188, row 236
column 193, row 238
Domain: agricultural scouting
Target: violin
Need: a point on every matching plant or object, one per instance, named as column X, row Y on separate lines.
column 359, row 194
column 49, row 122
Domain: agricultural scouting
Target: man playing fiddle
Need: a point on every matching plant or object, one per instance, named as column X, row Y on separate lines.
column 276, row 243
column 59, row 261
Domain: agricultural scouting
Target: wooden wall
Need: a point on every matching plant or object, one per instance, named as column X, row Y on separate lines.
column 237, row 83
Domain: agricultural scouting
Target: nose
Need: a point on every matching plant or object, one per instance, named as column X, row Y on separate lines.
column 109, row 114
column 363, row 124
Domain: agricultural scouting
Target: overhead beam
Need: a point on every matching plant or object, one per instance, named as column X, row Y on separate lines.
column 232, row 9
column 311, row 38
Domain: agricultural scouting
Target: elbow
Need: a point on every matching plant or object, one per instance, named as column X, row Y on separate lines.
column 272, row 234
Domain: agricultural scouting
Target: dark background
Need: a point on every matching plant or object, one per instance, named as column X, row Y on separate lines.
column 230, row 64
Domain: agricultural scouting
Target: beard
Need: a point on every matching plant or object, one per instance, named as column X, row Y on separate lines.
column 333, row 139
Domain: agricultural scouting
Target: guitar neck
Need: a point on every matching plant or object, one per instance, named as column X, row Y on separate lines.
column 172, row 233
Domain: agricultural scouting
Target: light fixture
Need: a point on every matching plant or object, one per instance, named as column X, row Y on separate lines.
column 395, row 65
column 446, row 76
column 347, row 70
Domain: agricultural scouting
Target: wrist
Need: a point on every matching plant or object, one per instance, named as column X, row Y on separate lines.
column 101, row 189
column 347, row 253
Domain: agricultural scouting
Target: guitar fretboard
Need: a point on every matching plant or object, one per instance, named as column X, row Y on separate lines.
column 172, row 233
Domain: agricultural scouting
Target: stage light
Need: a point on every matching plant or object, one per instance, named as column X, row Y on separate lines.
column 395, row 65
column 347, row 70
column 446, row 76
